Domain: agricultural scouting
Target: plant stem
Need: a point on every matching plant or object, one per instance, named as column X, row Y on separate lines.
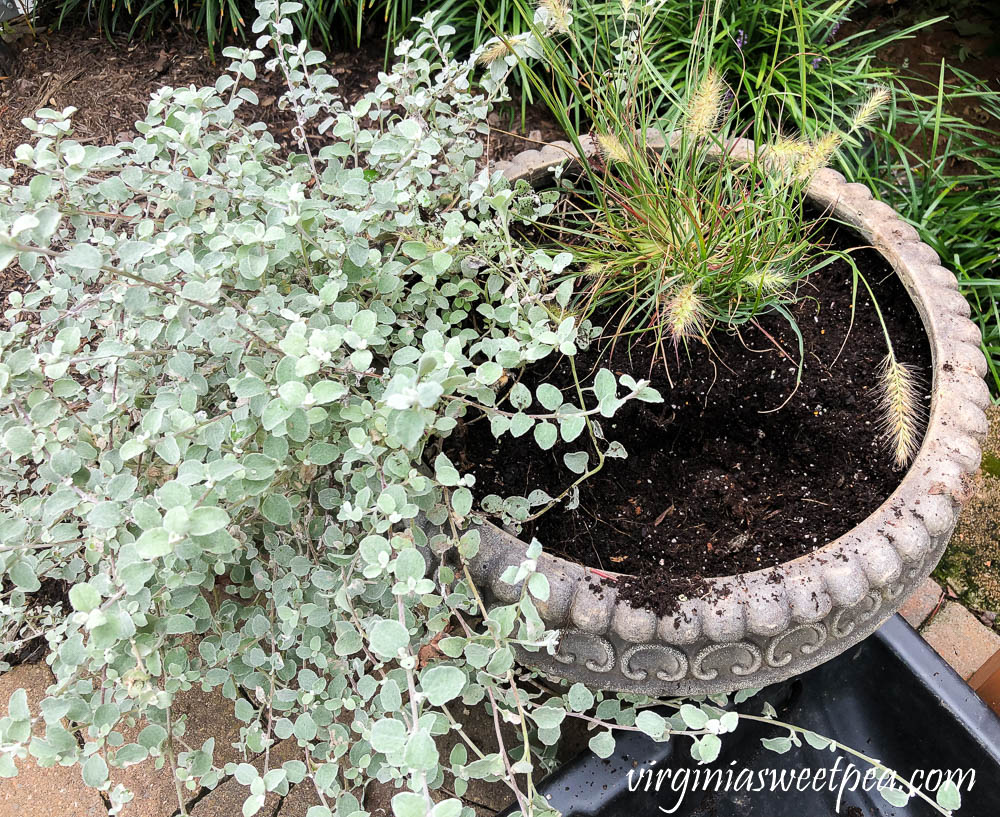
column 860, row 755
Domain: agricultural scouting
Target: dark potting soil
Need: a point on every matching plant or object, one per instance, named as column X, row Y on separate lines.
column 31, row 644
column 719, row 480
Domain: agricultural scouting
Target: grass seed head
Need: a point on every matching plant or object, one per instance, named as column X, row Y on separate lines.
column 496, row 50
column 612, row 149
column 705, row 105
column 685, row 316
column 771, row 280
column 900, row 407
column 870, row 108
column 559, row 15
column 818, row 155
column 786, row 151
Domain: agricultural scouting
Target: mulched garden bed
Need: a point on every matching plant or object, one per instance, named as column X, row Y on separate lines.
column 716, row 481
column 109, row 82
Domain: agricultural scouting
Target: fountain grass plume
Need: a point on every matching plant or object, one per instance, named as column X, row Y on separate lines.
column 495, row 50
column 612, row 148
column 704, row 106
column 685, row 313
column 901, row 412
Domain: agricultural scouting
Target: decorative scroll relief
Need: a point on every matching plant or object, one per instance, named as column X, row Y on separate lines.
column 805, row 639
column 913, row 574
column 738, row 658
column 665, row 662
column 668, row 664
column 859, row 613
column 595, row 653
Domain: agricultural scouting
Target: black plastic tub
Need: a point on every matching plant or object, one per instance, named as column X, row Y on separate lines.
column 891, row 697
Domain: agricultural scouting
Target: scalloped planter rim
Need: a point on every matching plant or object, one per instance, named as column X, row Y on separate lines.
column 751, row 631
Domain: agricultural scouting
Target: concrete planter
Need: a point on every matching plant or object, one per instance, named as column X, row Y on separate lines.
column 752, row 631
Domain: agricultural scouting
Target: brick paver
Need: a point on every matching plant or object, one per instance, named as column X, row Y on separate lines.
column 227, row 799
column 57, row 791
column 919, row 607
column 303, row 797
column 961, row 639
column 209, row 715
